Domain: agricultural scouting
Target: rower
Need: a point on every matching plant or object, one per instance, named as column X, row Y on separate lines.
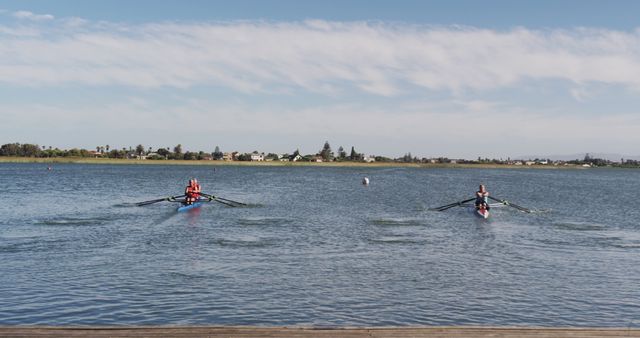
column 481, row 198
column 192, row 192
column 196, row 188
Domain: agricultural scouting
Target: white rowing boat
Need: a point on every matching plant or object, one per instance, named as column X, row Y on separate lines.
column 482, row 213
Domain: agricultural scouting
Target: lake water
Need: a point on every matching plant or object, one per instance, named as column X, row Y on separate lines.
column 316, row 247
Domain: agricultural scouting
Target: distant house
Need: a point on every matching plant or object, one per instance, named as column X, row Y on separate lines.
column 257, row 157
column 283, row 158
column 227, row 157
column 95, row 153
column 529, row 163
column 132, row 155
column 154, row 156
column 369, row 159
column 207, row 157
column 316, row 158
column 517, row 163
column 295, row 158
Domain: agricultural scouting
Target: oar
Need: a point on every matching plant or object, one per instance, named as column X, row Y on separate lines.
column 222, row 202
column 220, row 199
column 158, row 200
column 445, row 207
column 511, row 204
column 217, row 199
column 449, row 206
column 231, row 201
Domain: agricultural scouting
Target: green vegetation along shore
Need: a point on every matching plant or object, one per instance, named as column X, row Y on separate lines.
column 33, row 153
column 86, row 160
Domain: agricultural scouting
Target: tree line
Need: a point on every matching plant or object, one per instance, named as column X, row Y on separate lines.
column 34, row 150
column 175, row 153
column 325, row 153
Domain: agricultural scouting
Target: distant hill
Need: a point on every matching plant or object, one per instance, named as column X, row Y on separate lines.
column 569, row 157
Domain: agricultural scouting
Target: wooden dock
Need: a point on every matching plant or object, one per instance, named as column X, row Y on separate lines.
column 304, row 332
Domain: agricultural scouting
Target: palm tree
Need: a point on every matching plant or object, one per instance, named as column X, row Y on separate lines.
column 140, row 149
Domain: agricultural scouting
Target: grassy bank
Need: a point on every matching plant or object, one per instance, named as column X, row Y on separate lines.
column 85, row 160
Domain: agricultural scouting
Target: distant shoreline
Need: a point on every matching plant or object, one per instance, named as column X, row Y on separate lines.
column 84, row 160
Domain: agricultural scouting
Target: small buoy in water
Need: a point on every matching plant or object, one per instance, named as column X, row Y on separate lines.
column 49, row 168
column 365, row 181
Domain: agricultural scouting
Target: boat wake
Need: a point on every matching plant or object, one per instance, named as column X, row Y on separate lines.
column 579, row 226
column 73, row 221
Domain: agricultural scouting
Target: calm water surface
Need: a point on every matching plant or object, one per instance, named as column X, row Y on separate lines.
column 316, row 247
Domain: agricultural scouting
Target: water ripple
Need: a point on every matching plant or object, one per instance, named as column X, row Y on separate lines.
column 315, row 247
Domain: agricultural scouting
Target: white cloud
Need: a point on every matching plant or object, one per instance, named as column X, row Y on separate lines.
column 429, row 88
column 32, row 16
column 579, row 93
column 315, row 56
column 75, row 22
column 18, row 32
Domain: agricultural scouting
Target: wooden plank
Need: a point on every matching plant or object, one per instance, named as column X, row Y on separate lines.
column 305, row 332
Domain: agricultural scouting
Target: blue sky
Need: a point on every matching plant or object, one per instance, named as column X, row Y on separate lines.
column 434, row 78
column 490, row 13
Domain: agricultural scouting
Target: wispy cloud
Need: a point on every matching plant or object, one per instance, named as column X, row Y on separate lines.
column 315, row 56
column 579, row 93
column 32, row 16
column 419, row 88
